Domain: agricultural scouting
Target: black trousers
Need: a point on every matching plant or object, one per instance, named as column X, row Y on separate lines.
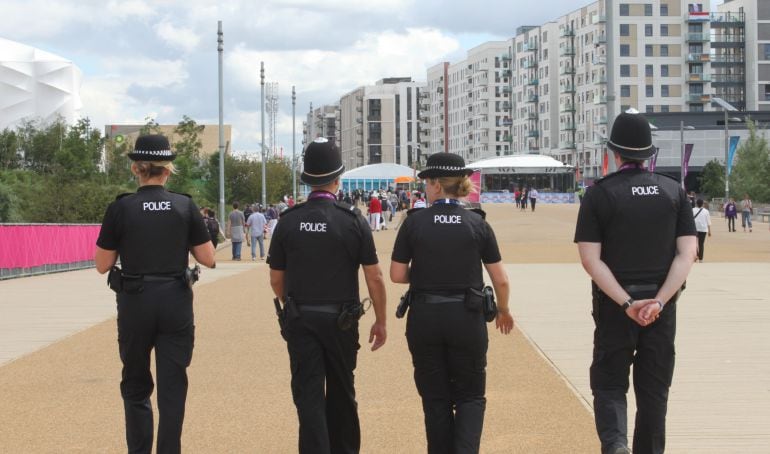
column 533, row 202
column 449, row 353
column 323, row 359
column 701, row 244
column 620, row 342
column 160, row 317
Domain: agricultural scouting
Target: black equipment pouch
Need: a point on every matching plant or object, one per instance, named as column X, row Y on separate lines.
column 290, row 310
column 132, row 284
column 191, row 275
column 474, row 300
column 490, row 306
column 281, row 317
column 403, row 305
column 114, row 279
column 351, row 313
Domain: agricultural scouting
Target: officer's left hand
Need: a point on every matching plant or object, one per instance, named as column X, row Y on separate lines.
column 640, row 312
column 650, row 310
column 378, row 335
column 504, row 321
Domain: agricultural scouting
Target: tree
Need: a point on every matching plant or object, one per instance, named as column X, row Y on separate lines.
column 9, row 150
column 751, row 171
column 150, row 127
column 712, row 179
column 188, row 150
column 79, row 154
column 116, row 162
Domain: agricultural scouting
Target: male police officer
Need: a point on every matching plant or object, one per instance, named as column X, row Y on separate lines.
column 314, row 257
column 636, row 239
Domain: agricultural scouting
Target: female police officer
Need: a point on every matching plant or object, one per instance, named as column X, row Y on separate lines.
column 439, row 252
column 152, row 231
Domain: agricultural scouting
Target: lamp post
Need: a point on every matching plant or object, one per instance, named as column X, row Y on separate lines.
column 220, row 50
column 682, row 127
column 262, row 115
column 293, row 145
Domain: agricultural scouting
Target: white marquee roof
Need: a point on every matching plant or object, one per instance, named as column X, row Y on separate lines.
column 385, row 171
column 526, row 161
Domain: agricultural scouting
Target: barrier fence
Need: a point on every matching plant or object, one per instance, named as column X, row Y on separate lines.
column 28, row 249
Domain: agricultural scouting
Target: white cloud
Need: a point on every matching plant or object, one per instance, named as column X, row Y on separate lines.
column 126, row 8
column 146, row 72
column 182, row 38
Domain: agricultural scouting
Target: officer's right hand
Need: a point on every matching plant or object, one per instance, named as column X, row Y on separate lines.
column 504, row 321
column 635, row 312
column 378, row 334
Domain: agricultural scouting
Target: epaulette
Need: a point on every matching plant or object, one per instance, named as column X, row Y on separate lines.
column 347, row 208
column 606, row 177
column 296, row 206
column 480, row 212
column 413, row 210
column 181, row 193
column 120, row 196
column 667, row 176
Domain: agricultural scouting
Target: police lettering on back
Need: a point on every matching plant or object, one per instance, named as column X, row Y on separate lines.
column 312, row 227
column 645, row 190
column 163, row 205
column 447, row 219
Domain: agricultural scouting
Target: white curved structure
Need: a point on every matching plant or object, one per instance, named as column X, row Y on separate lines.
column 36, row 84
column 378, row 171
column 527, row 163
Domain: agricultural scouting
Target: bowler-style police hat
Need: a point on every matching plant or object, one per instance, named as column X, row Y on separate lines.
column 322, row 163
column 631, row 137
column 154, row 147
column 444, row 165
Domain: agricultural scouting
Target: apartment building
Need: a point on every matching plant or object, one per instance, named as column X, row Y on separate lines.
column 380, row 123
column 321, row 122
column 467, row 106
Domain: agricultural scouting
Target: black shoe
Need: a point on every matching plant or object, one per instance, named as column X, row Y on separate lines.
column 621, row 450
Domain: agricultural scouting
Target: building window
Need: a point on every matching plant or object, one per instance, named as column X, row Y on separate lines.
column 663, row 70
column 648, row 91
column 647, row 29
column 648, row 50
column 648, row 71
column 624, row 9
column 664, row 108
column 767, row 92
column 664, row 12
column 664, row 50
column 766, row 51
column 624, row 30
column 625, row 91
column 649, row 109
column 663, row 29
column 648, row 9
column 625, row 50
column 696, row 107
column 625, row 70
column 545, row 37
column 664, row 91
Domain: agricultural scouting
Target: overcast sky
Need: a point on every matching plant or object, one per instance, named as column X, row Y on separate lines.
column 158, row 58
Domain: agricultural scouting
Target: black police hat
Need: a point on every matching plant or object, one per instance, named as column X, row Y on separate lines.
column 631, row 136
column 154, row 147
column 444, row 165
column 322, row 163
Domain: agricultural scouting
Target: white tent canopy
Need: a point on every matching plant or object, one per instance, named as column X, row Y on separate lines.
column 385, row 171
column 524, row 164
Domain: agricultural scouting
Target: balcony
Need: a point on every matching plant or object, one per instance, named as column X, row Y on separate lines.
column 533, row 133
column 531, row 116
column 601, row 79
column 698, row 78
column 505, row 106
column 698, row 98
column 728, row 20
column 698, row 38
column 599, row 19
column 567, row 51
column 505, row 57
column 567, row 89
column 729, row 59
column 698, row 58
column 599, row 40
column 568, row 145
column 507, row 138
column 600, row 120
column 531, row 98
column 359, row 97
column 567, row 71
column 359, row 120
column 600, row 100
column 507, row 122
column 359, row 109
column 532, row 81
column 530, row 47
column 528, row 64
column 569, row 126
column 424, row 94
column 359, row 142
column 505, row 73
column 599, row 61
column 568, row 108
column 698, row 16
column 425, row 107
column 506, row 89
column 728, row 79
column 440, row 90
column 567, row 32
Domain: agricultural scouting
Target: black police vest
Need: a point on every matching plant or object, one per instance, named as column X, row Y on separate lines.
column 639, row 227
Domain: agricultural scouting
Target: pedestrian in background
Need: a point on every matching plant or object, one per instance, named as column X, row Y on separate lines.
column 702, row 219
column 236, row 225
column 533, row 198
column 636, row 239
column 375, row 212
column 256, row 224
column 153, row 231
column 731, row 213
column 439, row 252
column 747, row 209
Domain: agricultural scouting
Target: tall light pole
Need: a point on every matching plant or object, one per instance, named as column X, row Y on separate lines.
column 262, row 115
column 220, row 50
column 293, row 144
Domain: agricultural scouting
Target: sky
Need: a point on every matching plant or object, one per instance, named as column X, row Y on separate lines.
column 158, row 59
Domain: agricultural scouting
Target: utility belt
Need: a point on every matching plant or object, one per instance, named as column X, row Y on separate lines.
column 473, row 299
column 121, row 282
column 639, row 291
column 348, row 313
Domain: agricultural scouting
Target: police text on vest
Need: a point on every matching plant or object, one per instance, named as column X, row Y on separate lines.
column 447, row 219
column 645, row 190
column 164, row 205
column 312, row 227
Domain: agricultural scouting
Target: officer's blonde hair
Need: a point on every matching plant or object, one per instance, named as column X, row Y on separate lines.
column 150, row 169
column 457, row 186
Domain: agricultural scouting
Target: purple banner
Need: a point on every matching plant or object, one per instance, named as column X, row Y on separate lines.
column 653, row 160
column 687, row 154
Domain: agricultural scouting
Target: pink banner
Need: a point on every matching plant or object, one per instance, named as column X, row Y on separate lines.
column 474, row 196
column 27, row 246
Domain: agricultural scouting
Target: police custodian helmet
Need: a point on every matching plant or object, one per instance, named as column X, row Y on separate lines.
column 631, row 137
column 153, row 147
column 444, row 165
column 322, row 163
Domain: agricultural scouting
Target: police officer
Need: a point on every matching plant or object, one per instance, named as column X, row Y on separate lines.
column 439, row 252
column 153, row 231
column 636, row 239
column 314, row 256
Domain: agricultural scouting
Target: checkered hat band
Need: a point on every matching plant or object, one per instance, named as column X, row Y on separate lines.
column 154, row 152
column 450, row 168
